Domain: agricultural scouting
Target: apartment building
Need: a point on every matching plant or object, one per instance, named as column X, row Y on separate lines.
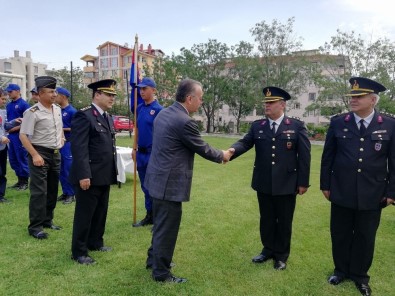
column 20, row 70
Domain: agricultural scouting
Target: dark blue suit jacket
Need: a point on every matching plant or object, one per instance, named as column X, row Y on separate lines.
column 359, row 171
column 176, row 139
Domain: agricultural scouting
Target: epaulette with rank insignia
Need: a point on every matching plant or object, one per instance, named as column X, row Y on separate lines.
column 388, row 114
column 34, row 109
column 338, row 114
column 297, row 118
column 86, row 108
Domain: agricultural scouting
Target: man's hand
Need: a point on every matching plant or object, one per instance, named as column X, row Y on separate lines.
column 326, row 193
column 302, row 190
column 85, row 184
column 38, row 160
column 4, row 140
column 227, row 154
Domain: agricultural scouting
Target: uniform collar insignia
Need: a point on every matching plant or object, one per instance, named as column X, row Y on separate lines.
column 347, row 118
column 95, row 113
column 263, row 122
column 287, row 121
column 379, row 119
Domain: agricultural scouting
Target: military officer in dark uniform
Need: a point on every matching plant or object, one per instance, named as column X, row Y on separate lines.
column 41, row 133
column 93, row 170
column 281, row 171
column 358, row 178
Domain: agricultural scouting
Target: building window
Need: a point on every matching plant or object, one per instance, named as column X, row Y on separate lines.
column 114, row 62
column 114, row 73
column 312, row 96
column 7, row 67
column 114, row 50
column 103, row 51
column 297, row 105
column 104, row 63
column 35, row 69
column 88, row 74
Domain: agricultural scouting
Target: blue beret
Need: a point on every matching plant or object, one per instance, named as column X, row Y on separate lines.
column 63, row 91
column 12, row 87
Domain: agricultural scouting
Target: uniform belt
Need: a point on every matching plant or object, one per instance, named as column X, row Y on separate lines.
column 144, row 149
column 45, row 149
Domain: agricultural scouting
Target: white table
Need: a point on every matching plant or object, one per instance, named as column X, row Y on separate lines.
column 124, row 163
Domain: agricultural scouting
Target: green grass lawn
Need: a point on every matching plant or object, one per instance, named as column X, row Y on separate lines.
column 218, row 237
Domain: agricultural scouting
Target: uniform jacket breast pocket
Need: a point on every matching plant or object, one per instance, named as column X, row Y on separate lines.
column 289, row 140
column 259, row 135
column 343, row 135
column 379, row 137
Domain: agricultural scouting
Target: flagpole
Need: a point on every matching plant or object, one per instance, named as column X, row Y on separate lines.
column 135, row 61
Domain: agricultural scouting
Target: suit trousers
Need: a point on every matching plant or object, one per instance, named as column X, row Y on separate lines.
column 89, row 219
column 276, row 224
column 353, row 234
column 44, row 182
column 167, row 219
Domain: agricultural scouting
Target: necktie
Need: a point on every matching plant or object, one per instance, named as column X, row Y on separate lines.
column 274, row 128
column 362, row 128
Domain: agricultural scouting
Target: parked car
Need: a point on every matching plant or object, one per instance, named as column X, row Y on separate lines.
column 122, row 123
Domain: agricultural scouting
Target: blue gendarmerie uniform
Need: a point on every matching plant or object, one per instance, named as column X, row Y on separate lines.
column 145, row 121
column 65, row 152
column 17, row 154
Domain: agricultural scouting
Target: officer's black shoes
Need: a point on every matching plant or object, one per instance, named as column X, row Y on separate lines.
column 364, row 289
column 68, row 199
column 172, row 279
column 279, row 265
column 335, row 279
column 39, row 235
column 260, row 258
column 85, row 260
column 146, row 221
column 53, row 227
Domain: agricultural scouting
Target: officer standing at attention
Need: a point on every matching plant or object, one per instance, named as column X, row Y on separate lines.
column 42, row 135
column 146, row 113
column 16, row 152
column 358, row 178
column 281, row 171
column 68, row 112
column 93, row 170
column 3, row 147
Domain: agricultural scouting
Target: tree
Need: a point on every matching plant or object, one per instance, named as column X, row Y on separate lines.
column 206, row 62
column 350, row 55
column 243, row 80
column 81, row 96
column 281, row 64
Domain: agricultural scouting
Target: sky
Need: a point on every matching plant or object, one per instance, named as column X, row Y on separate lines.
column 62, row 31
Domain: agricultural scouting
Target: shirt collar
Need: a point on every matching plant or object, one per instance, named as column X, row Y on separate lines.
column 277, row 121
column 183, row 107
column 368, row 119
column 98, row 108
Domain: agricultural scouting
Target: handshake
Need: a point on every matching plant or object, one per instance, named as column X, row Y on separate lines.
column 227, row 154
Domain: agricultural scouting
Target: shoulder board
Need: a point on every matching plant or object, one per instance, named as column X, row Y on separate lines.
column 296, row 118
column 86, row 108
column 259, row 119
column 387, row 114
column 339, row 114
column 34, row 109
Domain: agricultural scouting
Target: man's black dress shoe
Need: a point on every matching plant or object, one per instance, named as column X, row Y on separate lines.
column 53, row 227
column 280, row 265
column 146, row 221
column 172, row 279
column 364, row 289
column 260, row 258
column 102, row 249
column 39, row 235
column 86, row 260
column 335, row 279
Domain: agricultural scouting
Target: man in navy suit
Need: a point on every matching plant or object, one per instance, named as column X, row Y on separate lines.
column 93, row 170
column 176, row 139
column 358, row 178
column 281, row 171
